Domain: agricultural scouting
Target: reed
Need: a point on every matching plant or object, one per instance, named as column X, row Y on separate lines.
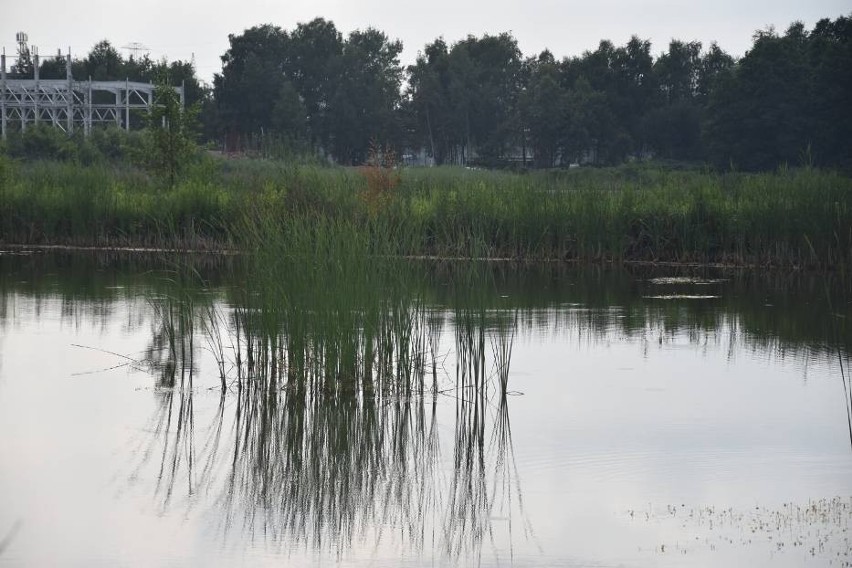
column 330, row 433
column 621, row 214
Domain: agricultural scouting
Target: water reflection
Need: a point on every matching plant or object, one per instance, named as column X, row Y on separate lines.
column 332, row 412
column 331, row 468
column 327, row 429
column 768, row 310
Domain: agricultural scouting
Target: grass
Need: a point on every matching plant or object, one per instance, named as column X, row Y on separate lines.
column 800, row 217
column 326, row 350
column 328, row 337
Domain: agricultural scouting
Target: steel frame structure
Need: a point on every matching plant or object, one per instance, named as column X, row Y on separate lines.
column 68, row 104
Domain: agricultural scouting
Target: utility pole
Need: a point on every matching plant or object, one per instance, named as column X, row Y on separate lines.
column 3, row 94
column 69, row 117
column 37, row 93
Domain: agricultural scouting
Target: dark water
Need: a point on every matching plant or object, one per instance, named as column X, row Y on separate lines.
column 651, row 418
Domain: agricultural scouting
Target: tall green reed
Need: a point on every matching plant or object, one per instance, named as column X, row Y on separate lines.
column 637, row 213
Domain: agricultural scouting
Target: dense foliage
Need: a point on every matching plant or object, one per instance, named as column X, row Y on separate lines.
column 311, row 86
column 479, row 101
column 313, row 92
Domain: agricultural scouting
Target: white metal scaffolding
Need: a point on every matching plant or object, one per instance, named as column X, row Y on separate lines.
column 68, row 104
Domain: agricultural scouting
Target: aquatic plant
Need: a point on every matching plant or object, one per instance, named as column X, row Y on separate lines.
column 632, row 213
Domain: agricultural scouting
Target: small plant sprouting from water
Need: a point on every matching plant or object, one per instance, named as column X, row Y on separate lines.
column 812, row 531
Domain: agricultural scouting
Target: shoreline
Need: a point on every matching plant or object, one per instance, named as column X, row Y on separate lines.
column 23, row 249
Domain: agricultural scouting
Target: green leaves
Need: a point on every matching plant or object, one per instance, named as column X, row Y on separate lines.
column 170, row 134
column 312, row 85
column 788, row 98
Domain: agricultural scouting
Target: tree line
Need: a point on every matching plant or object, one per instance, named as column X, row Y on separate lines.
column 481, row 101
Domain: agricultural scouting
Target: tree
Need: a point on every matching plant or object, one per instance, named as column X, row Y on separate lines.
column 678, row 71
column 602, row 84
column 53, row 67
column 312, row 62
column 103, row 63
column 427, row 100
column 289, row 115
column 636, row 89
column 311, row 84
column 251, row 80
column 492, row 102
column 760, row 114
column 363, row 108
column 593, row 133
column 830, row 60
column 713, row 65
column 467, row 97
column 171, row 131
column 544, row 108
column 674, row 131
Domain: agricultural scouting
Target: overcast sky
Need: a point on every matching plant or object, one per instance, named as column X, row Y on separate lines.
column 177, row 29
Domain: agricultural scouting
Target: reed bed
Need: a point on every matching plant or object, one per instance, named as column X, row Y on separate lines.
column 790, row 218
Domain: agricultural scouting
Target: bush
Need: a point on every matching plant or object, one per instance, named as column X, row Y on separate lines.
column 42, row 142
column 5, row 169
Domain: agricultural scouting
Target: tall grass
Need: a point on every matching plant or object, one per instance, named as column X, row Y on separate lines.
column 328, row 305
column 327, row 352
column 623, row 214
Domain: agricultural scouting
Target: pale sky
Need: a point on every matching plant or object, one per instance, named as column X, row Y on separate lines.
column 177, row 29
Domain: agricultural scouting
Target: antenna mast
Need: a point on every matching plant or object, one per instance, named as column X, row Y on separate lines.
column 24, row 63
column 135, row 47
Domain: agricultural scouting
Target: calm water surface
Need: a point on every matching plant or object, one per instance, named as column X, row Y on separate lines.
column 652, row 419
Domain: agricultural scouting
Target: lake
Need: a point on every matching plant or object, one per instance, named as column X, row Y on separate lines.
column 170, row 411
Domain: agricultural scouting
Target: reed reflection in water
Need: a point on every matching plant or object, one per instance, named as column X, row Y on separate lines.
column 336, row 436
column 329, row 417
